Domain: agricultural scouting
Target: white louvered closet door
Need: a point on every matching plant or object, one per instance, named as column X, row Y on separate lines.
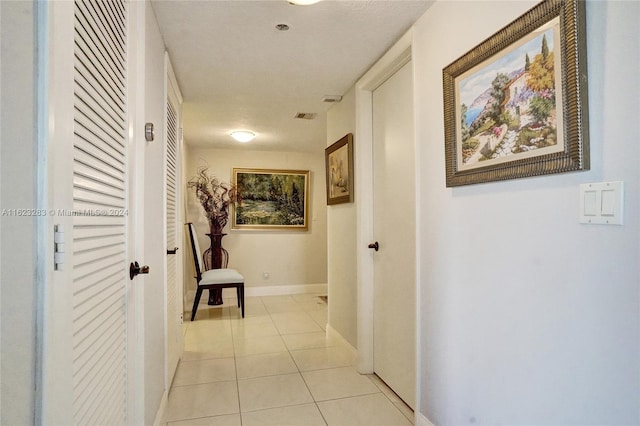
column 85, row 358
column 100, row 237
column 174, row 302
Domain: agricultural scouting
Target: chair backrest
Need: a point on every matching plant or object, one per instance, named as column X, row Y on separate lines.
column 197, row 255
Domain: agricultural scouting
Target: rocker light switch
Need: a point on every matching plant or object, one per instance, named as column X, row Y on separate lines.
column 602, row 203
column 590, row 203
column 608, row 202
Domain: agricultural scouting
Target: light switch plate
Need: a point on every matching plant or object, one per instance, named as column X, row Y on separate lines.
column 602, row 203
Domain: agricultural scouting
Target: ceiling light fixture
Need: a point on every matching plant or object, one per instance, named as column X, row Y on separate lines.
column 303, row 2
column 242, row 135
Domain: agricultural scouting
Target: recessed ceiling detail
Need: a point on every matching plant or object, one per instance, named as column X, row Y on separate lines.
column 305, row 115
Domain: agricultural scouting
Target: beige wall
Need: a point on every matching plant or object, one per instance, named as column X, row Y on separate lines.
column 341, row 235
column 291, row 258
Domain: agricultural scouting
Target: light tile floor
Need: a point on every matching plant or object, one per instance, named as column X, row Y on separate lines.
column 274, row 367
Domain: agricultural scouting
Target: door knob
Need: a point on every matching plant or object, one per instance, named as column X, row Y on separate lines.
column 135, row 269
column 374, row 246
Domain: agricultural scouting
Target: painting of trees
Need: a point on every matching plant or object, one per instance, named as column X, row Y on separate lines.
column 498, row 94
column 517, row 107
column 271, row 198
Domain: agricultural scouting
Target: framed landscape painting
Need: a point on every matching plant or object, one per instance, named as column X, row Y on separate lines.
column 516, row 105
column 271, row 199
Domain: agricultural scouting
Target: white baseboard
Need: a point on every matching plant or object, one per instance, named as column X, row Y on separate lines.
column 274, row 290
column 159, row 420
column 334, row 336
column 421, row 420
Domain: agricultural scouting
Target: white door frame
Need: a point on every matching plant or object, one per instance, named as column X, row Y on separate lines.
column 392, row 61
column 135, row 311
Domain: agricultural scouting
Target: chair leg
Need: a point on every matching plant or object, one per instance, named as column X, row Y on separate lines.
column 238, row 295
column 196, row 301
column 241, row 289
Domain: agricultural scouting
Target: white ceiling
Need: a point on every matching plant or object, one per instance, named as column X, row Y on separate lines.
column 237, row 71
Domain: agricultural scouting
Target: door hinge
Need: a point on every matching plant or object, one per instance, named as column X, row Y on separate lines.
column 58, row 247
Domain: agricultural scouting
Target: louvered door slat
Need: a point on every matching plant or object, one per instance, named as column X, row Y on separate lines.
column 96, row 221
column 99, row 363
column 110, row 47
column 90, row 172
column 115, row 25
column 102, row 110
column 96, row 197
column 173, row 308
column 92, row 46
column 98, row 126
column 93, row 156
column 98, row 231
column 99, row 74
column 99, row 235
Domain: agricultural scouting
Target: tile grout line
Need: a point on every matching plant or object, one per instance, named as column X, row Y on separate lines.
column 235, row 365
column 315, row 402
column 228, row 318
column 384, row 389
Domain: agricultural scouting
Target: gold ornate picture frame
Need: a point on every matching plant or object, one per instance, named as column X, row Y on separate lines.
column 516, row 105
column 271, row 199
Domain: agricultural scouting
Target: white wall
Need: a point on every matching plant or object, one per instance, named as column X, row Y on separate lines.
column 529, row 317
column 341, row 235
column 290, row 257
column 18, row 191
column 154, row 225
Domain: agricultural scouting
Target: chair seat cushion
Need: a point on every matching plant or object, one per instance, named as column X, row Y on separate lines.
column 221, row 276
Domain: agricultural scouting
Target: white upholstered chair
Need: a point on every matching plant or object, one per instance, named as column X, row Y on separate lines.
column 213, row 278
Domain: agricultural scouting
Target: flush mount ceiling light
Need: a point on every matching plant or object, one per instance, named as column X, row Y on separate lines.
column 242, row 135
column 303, row 2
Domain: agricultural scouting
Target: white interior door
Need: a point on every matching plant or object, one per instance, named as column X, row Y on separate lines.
column 86, row 352
column 394, row 229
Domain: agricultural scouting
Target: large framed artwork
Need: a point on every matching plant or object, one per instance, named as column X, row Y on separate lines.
column 516, row 105
column 339, row 170
column 271, row 199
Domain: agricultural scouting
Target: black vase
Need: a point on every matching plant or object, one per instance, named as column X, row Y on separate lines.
column 215, row 257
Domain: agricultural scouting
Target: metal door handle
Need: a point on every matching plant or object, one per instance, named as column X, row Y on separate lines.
column 175, row 249
column 374, row 246
column 135, row 269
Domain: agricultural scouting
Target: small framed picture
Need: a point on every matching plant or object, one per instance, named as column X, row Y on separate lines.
column 339, row 171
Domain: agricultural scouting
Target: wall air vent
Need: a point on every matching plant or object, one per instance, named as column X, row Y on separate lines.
column 332, row 98
column 305, row 115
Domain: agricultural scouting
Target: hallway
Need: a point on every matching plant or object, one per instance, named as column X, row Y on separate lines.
column 274, row 367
